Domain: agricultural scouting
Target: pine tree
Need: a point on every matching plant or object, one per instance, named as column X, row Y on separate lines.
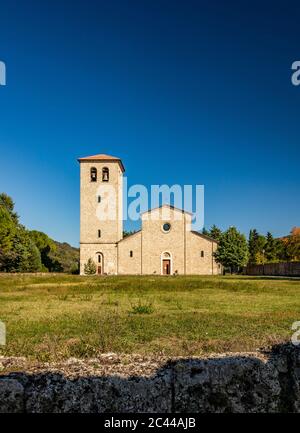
column 270, row 248
column 281, row 250
column 232, row 251
column 256, row 245
column 90, row 267
column 215, row 233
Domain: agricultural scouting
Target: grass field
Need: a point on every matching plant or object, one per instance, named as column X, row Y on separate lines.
column 53, row 317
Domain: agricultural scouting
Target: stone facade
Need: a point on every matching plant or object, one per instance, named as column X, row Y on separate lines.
column 154, row 250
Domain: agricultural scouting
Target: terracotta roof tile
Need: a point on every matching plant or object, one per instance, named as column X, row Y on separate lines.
column 103, row 157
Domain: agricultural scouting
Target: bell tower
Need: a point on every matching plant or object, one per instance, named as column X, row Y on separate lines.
column 101, row 211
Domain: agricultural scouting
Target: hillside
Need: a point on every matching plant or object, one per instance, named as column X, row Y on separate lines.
column 65, row 256
column 23, row 250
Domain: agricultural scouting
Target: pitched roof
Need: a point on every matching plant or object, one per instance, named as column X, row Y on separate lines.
column 204, row 236
column 129, row 236
column 103, row 157
column 169, row 206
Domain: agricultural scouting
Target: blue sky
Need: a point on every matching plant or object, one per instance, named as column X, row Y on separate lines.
column 185, row 92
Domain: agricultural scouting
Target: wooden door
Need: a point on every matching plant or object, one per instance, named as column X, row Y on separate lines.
column 99, row 270
column 166, row 266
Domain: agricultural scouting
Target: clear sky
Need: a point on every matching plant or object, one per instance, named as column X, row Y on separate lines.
column 186, row 92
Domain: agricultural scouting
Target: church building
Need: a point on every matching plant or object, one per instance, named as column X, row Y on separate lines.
column 165, row 245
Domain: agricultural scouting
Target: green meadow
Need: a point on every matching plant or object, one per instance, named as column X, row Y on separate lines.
column 53, row 317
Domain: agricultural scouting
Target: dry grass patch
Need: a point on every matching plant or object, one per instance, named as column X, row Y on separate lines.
column 53, row 317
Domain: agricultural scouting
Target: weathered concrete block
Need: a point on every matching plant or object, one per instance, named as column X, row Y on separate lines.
column 11, row 396
column 233, row 383
column 286, row 360
column 55, row 393
column 229, row 384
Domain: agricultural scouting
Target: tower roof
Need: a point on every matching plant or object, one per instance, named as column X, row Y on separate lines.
column 103, row 157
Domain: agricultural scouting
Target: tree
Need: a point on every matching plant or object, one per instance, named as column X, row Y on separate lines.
column 28, row 258
column 7, row 203
column 128, row 233
column 205, row 231
column 215, row 233
column 281, row 252
column 293, row 244
column 7, row 232
column 42, row 241
column 18, row 252
column 256, row 245
column 46, row 246
column 270, row 248
column 34, row 259
column 23, row 256
column 232, row 251
column 90, row 267
column 30, row 251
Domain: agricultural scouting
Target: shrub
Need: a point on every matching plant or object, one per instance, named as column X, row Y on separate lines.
column 90, row 267
column 142, row 308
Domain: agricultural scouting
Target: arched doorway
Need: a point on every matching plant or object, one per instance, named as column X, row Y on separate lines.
column 99, row 263
column 166, row 263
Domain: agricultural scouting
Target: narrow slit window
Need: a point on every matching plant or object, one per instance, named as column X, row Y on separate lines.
column 202, row 253
column 99, row 233
column 131, row 253
column 99, row 198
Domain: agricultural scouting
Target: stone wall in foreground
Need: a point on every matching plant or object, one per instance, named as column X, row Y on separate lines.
column 234, row 383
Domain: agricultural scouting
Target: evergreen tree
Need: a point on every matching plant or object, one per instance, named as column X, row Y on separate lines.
column 26, row 255
column 256, row 245
column 90, row 267
column 34, row 260
column 128, row 233
column 215, row 233
column 270, row 248
column 18, row 252
column 281, row 250
column 7, row 231
column 232, row 251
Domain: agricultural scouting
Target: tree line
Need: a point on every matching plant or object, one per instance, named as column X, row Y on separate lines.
column 235, row 251
column 23, row 250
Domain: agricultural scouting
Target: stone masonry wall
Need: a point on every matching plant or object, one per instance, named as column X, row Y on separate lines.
column 232, row 383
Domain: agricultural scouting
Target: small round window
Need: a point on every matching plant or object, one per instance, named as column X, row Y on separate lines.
column 166, row 227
